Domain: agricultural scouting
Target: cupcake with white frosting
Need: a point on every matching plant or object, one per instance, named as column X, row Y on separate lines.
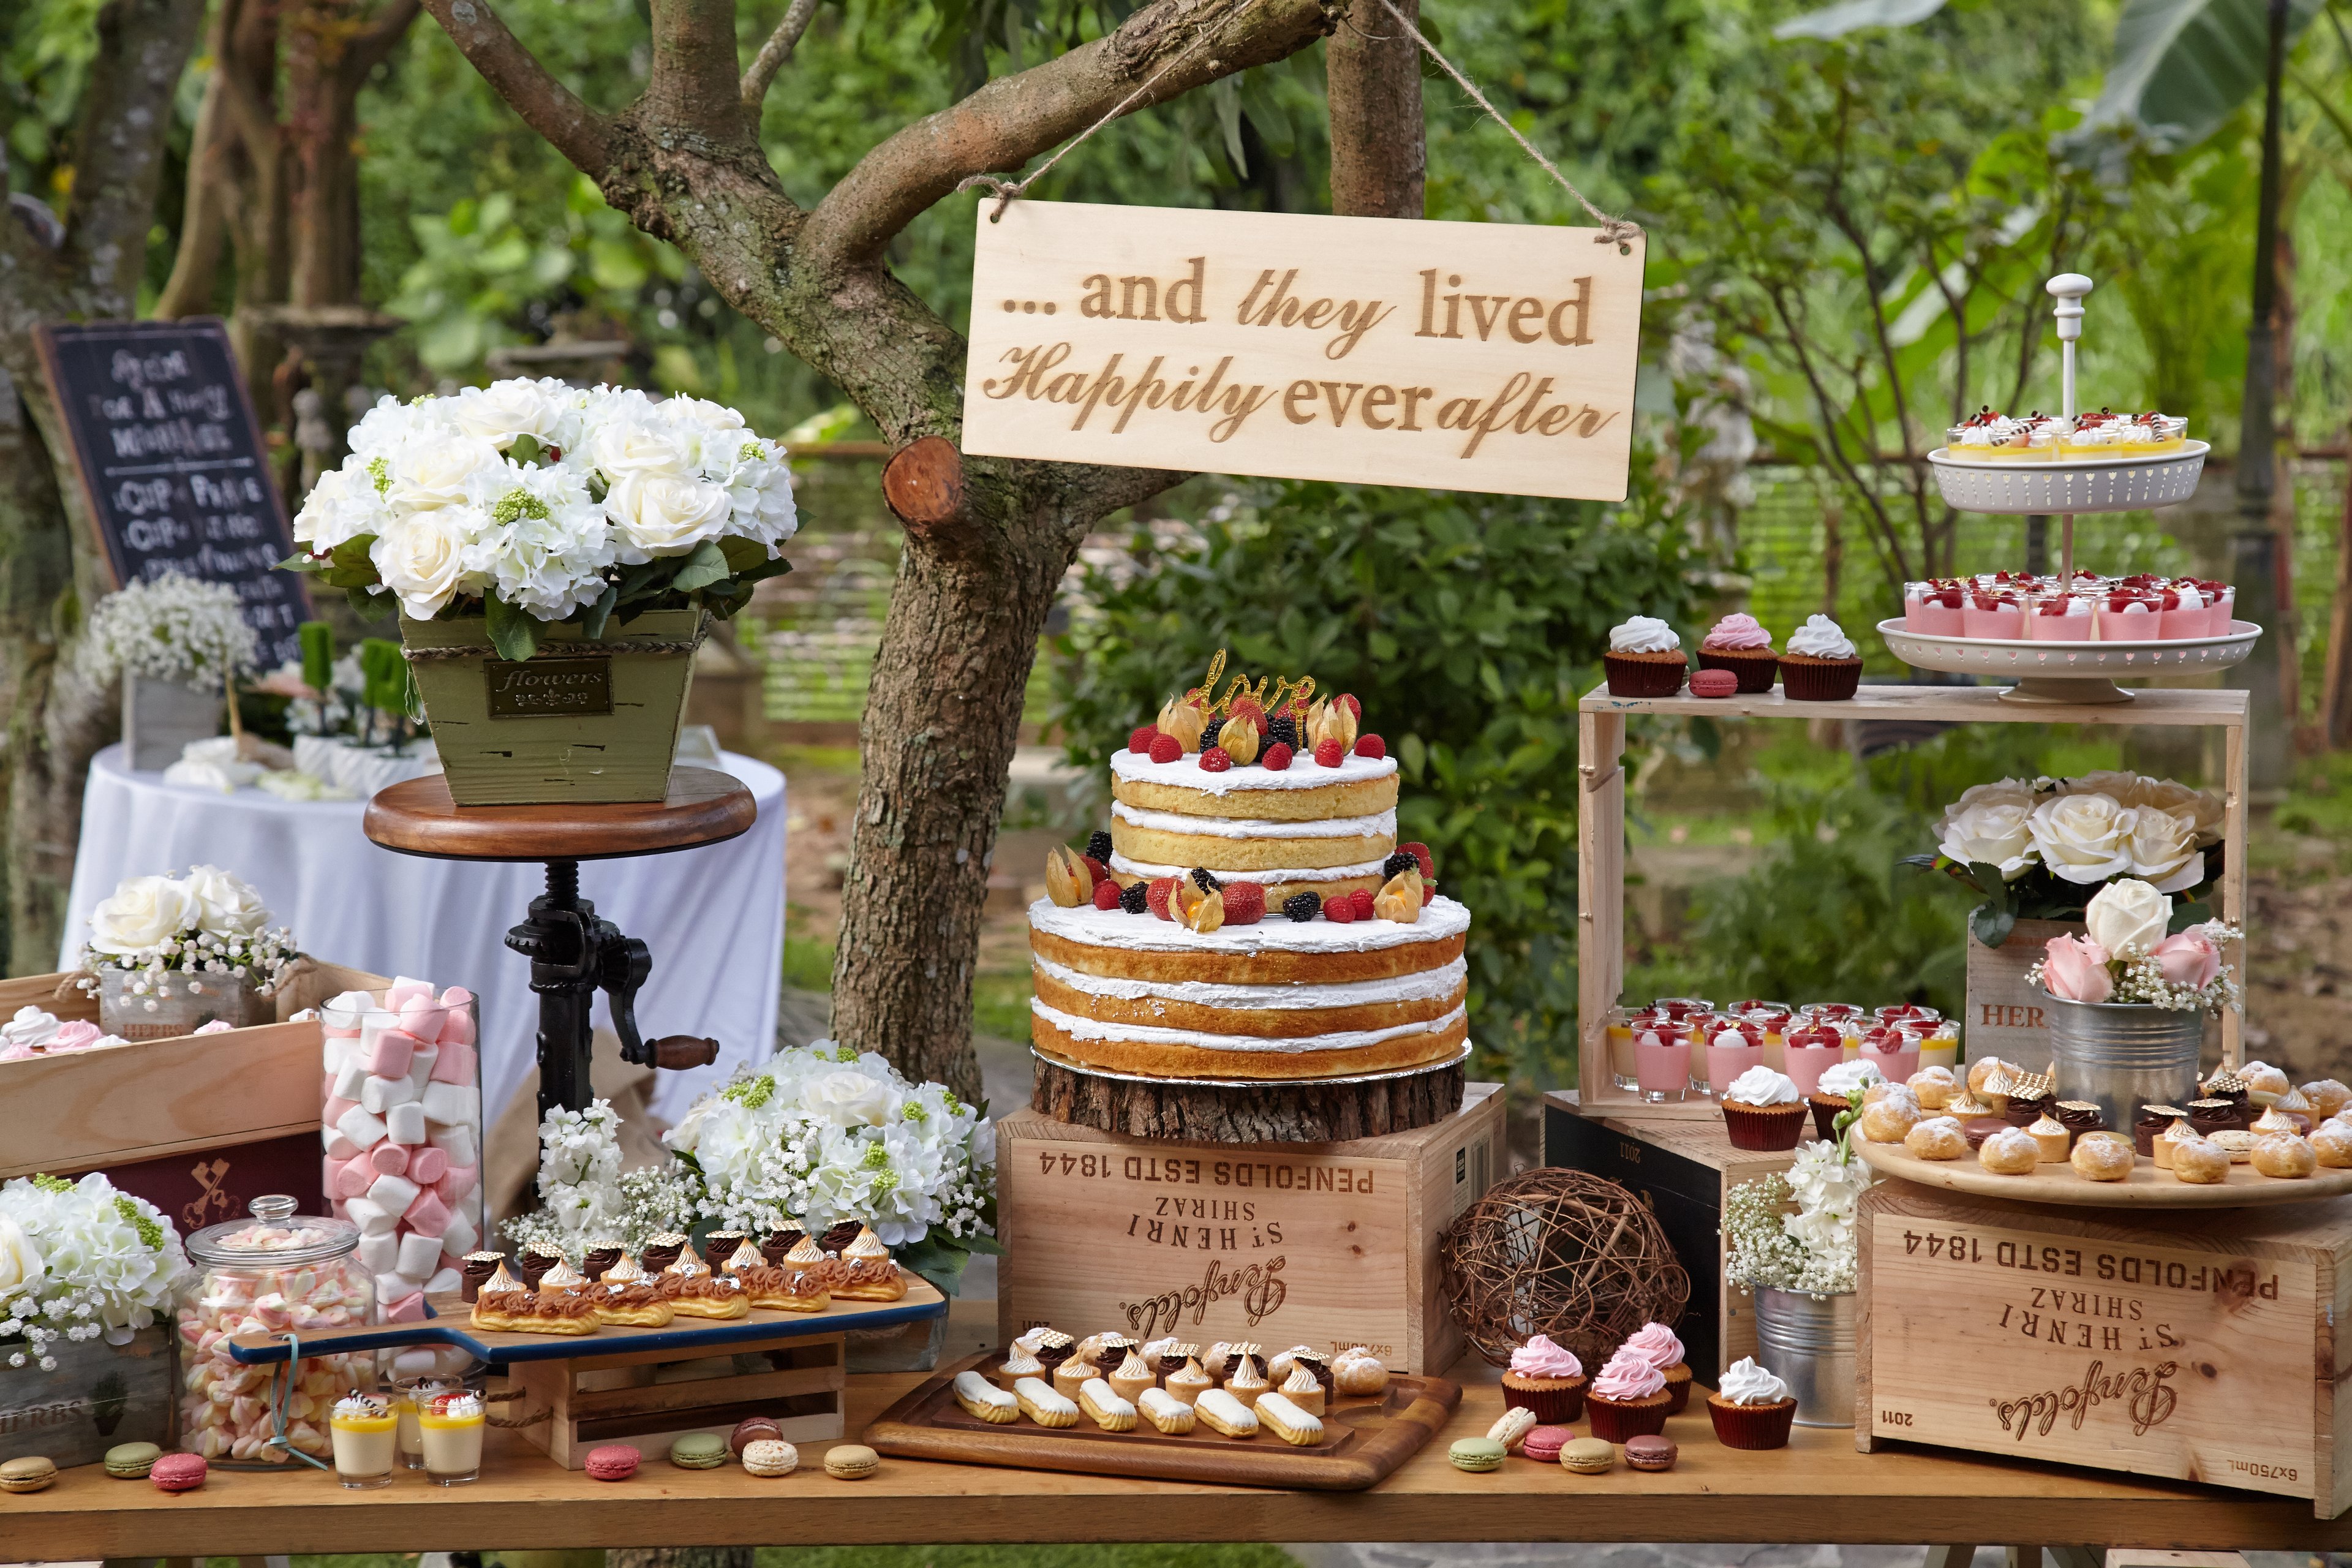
column 1750, row 1407
column 1644, row 658
column 1821, row 663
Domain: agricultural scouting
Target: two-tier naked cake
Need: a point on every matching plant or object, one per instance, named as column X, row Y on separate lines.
column 1249, row 914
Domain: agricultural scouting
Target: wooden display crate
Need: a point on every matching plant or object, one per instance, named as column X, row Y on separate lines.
column 649, row 1399
column 114, row 1105
column 99, row 1395
column 2192, row 1344
column 1323, row 1243
column 1684, row 1169
column 1600, row 825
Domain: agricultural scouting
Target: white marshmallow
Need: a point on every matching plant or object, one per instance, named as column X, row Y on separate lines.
column 452, row 1103
column 371, row 1217
column 457, row 1142
column 363, row 1128
column 416, row 1360
column 381, row 1094
column 380, row 1253
column 419, row 1255
column 420, row 1065
column 395, row 1193
column 349, row 1080
column 447, row 1281
column 338, row 1145
column 405, row 1123
column 391, row 1287
column 460, row 1236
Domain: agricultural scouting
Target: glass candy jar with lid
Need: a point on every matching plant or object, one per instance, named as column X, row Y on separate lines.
column 278, row 1272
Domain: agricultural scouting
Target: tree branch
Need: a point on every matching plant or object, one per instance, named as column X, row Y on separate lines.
column 1013, row 119
column 773, row 54
column 382, row 34
column 1379, row 152
column 546, row 105
column 694, row 86
column 143, row 46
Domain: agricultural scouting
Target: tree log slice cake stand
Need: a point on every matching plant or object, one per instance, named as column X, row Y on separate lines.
column 1231, row 1110
column 572, row 953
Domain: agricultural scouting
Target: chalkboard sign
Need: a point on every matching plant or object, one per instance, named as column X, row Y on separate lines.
column 173, row 464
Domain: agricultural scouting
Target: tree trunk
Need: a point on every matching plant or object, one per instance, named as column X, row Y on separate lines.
column 195, row 282
column 1251, row 1113
column 36, row 566
column 1373, row 80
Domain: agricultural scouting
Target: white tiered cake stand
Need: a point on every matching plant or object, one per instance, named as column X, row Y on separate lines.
column 2068, row 672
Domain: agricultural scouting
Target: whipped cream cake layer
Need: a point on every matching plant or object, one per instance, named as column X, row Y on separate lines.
column 1304, row 791
column 1308, row 829
column 1274, row 1000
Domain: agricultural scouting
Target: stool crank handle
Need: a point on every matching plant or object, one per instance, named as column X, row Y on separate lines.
column 678, row 1052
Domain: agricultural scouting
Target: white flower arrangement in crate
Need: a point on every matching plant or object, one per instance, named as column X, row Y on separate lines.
column 79, row 1261
column 164, row 950
column 536, row 503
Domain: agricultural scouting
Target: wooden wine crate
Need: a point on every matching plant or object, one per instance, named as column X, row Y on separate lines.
column 98, row 1396
column 2191, row 1344
column 1322, row 1243
column 1684, row 1169
column 114, row 1105
column 649, row 1399
column 2006, row 1018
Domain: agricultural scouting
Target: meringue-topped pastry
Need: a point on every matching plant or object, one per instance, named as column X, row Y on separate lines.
column 1247, row 1378
column 693, row 1290
column 1303, row 1389
column 747, row 1255
column 627, row 1295
column 779, row 1287
column 1018, row 1363
column 1188, row 1383
column 562, row 1277
column 1131, row 1376
column 1073, row 1374
column 2274, row 1120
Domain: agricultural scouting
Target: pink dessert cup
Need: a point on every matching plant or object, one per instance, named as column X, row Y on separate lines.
column 1993, row 615
column 1661, row 1065
column 2058, row 617
column 1725, row 1063
column 2127, row 616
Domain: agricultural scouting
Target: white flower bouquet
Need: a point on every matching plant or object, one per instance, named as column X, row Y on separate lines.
column 2130, row 953
column 77, row 1262
column 535, row 503
column 587, row 1200
column 2041, row 849
column 169, row 628
column 1814, row 1249
column 817, row 1136
column 205, row 922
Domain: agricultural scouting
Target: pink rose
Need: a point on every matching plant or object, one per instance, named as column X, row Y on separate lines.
column 2189, row 958
column 2075, row 968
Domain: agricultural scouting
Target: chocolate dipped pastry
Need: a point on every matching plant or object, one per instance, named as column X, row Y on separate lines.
column 660, row 1251
column 533, row 1265
column 2024, row 1107
column 2215, row 1113
column 1173, row 1359
column 869, row 1274
column 626, row 1294
column 777, row 1243
column 719, row 1246
column 2225, row 1085
column 694, row 1291
column 599, row 1259
column 837, row 1239
column 2078, row 1116
column 1051, row 1347
column 476, row 1266
column 2149, row 1125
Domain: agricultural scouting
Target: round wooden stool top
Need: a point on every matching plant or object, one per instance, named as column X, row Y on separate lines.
column 418, row 818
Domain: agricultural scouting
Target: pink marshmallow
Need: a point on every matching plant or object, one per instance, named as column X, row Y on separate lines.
column 390, row 1159
column 457, row 1029
column 429, row 1215
column 403, row 990
column 456, row 996
column 393, row 1048
column 422, row 1017
column 457, row 1181
column 356, row 1176
column 333, row 1110
column 409, row 1308
column 427, row 1165
column 455, row 1062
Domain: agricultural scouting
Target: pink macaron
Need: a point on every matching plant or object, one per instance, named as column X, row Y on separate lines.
column 178, row 1472
column 613, row 1462
column 1543, row 1444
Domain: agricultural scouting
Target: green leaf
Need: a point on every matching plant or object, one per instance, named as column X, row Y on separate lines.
column 371, row 605
column 2187, row 64
column 1992, row 885
column 1852, row 15
column 742, row 554
column 525, row 449
column 706, row 565
column 513, row 631
column 355, row 551
column 2187, row 913
column 1992, row 924
column 601, row 612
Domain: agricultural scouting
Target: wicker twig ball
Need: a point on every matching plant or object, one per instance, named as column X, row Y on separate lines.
column 1561, row 1253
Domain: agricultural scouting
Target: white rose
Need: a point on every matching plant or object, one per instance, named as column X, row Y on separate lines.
column 226, row 905
column 2127, row 916
column 143, row 912
column 849, row 1098
column 421, row 557
column 2163, row 848
column 2081, row 837
column 506, row 409
column 1992, row 823
column 433, row 469
column 636, row 445
column 20, row 1260
column 2121, row 787
column 667, row 514
column 341, row 506
column 2202, row 807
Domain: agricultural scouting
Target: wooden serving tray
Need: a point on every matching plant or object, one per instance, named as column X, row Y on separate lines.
column 2146, row 1188
column 452, row 1324
column 1364, row 1439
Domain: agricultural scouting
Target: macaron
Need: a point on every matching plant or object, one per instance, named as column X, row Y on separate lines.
column 1476, row 1455
column 851, row 1461
column 1651, row 1453
column 1543, row 1444
column 699, row 1451
column 1713, row 683
column 29, row 1474
column 753, row 1429
column 613, row 1462
column 178, row 1472
column 1511, row 1429
column 770, row 1456
column 1588, row 1456
column 131, row 1461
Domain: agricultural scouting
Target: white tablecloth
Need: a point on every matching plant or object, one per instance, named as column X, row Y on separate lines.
column 714, row 917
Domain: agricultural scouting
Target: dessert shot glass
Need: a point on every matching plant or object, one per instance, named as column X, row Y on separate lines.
column 452, row 1421
column 1663, row 1060
column 365, row 1437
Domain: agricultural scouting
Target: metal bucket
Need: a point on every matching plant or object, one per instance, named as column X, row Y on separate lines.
column 1807, row 1341
column 2124, row 1055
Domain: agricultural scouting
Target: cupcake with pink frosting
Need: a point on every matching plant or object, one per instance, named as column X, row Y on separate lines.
column 1628, row 1399
column 1655, row 1343
column 1740, row 644
column 1547, row 1379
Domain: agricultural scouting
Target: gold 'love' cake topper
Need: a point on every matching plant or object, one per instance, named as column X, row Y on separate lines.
column 1297, row 695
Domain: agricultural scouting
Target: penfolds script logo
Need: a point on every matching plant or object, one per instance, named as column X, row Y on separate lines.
column 2141, row 1391
column 1257, row 1286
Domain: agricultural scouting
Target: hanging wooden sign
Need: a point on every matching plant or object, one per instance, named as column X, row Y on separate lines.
column 1446, row 355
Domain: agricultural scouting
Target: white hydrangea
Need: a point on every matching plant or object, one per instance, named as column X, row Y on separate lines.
column 79, row 1261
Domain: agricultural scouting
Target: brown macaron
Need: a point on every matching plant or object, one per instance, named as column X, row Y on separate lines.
column 1651, row 1453
column 753, row 1429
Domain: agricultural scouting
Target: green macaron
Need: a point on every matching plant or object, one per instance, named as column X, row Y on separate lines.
column 1476, row 1455
column 699, row 1451
column 131, row 1461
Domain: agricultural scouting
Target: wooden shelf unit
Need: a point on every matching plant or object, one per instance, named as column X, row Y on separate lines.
column 1600, row 822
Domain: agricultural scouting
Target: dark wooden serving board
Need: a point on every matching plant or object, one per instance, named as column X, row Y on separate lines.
column 1364, row 1439
column 452, row 1324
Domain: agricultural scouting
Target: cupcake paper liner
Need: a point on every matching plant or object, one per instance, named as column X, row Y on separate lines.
column 1614, row 1420
column 1819, row 681
column 1553, row 1406
column 1678, row 1387
column 1764, row 1127
column 1753, row 1425
column 1756, row 668
column 1644, row 675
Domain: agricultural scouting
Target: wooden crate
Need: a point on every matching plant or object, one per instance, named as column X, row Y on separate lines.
column 1323, row 1243
column 99, row 1395
column 649, row 1399
column 114, row 1105
column 2006, row 1018
column 1684, row 1169
column 1601, row 828
column 2192, row 1344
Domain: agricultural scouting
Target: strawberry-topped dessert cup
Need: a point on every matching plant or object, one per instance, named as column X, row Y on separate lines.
column 2182, row 612
column 1892, row 1049
column 2129, row 615
column 2222, row 600
column 2058, row 617
column 1662, row 1058
column 1809, row 1050
column 1985, row 436
column 1993, row 612
column 1933, row 609
column 1733, row 1046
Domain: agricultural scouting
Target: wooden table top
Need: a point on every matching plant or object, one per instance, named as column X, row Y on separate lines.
column 1817, row 1489
column 417, row 816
